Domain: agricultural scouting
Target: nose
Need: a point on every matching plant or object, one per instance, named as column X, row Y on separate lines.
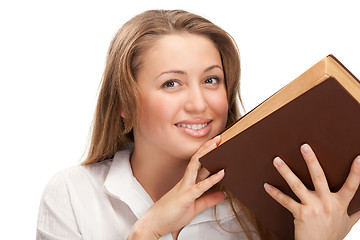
column 196, row 101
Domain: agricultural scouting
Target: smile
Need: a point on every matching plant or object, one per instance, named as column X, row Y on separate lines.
column 192, row 126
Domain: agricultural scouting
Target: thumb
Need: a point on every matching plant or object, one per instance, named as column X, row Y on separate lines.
column 354, row 218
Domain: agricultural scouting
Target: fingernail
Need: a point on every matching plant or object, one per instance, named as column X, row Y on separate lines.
column 214, row 142
column 357, row 161
column 305, row 148
column 221, row 172
column 213, row 145
column 268, row 187
column 217, row 137
column 225, row 194
column 278, row 162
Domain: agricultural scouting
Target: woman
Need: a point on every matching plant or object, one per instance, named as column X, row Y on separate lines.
column 170, row 86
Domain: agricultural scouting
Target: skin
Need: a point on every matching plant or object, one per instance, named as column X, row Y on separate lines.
column 321, row 215
column 182, row 82
column 186, row 195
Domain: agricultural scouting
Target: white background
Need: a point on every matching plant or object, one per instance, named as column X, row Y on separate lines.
column 52, row 56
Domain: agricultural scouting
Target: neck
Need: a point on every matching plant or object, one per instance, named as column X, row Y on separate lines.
column 156, row 172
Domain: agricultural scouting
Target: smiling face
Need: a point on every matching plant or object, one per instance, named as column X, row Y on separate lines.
column 183, row 100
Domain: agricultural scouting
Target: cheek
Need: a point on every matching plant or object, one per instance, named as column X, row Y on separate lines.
column 157, row 110
column 219, row 105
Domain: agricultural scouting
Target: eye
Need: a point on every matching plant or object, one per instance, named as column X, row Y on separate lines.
column 170, row 84
column 213, row 80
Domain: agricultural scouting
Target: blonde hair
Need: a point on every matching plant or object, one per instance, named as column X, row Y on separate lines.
column 118, row 102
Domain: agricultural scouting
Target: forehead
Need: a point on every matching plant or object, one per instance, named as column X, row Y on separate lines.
column 185, row 51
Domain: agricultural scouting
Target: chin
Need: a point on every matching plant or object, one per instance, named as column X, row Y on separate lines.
column 190, row 150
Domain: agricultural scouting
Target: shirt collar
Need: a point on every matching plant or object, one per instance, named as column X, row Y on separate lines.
column 121, row 183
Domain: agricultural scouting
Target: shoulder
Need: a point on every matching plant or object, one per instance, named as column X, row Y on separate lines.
column 63, row 197
column 71, row 196
column 84, row 178
column 80, row 172
column 70, row 179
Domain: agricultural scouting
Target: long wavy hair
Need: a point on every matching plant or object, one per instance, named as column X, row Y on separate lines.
column 119, row 94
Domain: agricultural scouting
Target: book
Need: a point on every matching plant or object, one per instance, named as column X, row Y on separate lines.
column 322, row 108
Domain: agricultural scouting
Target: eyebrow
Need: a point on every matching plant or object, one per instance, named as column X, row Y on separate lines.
column 182, row 72
column 212, row 67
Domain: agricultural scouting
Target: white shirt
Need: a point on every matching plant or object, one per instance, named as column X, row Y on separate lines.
column 102, row 201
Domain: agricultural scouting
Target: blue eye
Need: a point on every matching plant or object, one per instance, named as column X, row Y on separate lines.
column 170, row 84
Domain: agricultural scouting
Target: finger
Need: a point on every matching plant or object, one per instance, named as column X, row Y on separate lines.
column 286, row 201
column 207, row 147
column 292, row 180
column 202, row 174
column 316, row 172
column 206, row 184
column 208, row 201
column 354, row 218
column 348, row 190
column 194, row 165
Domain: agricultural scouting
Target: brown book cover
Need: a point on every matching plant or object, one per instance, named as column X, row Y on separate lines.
column 324, row 112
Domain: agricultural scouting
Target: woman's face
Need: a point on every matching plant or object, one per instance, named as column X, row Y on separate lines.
column 183, row 96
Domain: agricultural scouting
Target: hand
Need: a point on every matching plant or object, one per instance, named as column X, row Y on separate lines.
column 184, row 201
column 321, row 215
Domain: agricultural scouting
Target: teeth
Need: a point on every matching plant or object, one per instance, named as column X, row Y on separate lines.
column 192, row 126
